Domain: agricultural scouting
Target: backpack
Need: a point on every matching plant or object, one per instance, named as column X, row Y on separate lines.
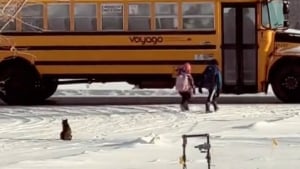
column 210, row 77
column 182, row 83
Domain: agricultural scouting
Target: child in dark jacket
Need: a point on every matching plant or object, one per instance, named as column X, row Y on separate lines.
column 212, row 81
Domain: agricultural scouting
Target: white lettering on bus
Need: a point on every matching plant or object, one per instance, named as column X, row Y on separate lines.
column 146, row 39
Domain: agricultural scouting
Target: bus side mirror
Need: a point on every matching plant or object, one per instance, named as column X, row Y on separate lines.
column 286, row 11
column 286, row 7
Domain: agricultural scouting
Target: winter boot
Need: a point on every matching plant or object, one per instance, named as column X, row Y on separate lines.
column 216, row 108
column 207, row 110
column 186, row 106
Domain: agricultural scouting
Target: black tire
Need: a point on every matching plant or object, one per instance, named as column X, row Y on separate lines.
column 18, row 83
column 46, row 88
column 286, row 83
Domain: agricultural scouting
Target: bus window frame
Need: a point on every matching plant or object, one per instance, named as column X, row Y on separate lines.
column 137, row 16
column 12, row 22
column 22, row 23
column 69, row 15
column 183, row 16
column 14, row 25
column 101, row 16
column 269, row 27
column 174, row 17
column 95, row 5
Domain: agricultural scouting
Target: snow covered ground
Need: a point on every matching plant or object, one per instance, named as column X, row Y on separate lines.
column 149, row 136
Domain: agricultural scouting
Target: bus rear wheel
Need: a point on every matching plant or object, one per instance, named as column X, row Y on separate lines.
column 286, row 83
column 17, row 83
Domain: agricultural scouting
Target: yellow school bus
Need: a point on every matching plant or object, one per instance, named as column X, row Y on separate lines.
column 53, row 42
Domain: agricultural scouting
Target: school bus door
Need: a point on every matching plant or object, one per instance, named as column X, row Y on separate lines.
column 239, row 48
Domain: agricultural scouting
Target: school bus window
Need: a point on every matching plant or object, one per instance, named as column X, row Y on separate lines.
column 198, row 16
column 229, row 25
column 275, row 13
column 112, row 17
column 230, row 64
column 32, row 18
column 85, row 17
column 166, row 16
column 265, row 16
column 249, row 26
column 249, row 63
column 11, row 27
column 58, row 17
column 139, row 17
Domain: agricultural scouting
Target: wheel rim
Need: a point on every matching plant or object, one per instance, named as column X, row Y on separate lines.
column 286, row 84
column 290, row 83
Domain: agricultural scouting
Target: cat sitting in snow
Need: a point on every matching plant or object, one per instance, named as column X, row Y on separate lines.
column 66, row 133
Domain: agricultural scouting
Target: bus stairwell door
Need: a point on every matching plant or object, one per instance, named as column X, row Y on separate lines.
column 239, row 48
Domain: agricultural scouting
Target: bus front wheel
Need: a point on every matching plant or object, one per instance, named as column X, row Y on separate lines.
column 286, row 83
